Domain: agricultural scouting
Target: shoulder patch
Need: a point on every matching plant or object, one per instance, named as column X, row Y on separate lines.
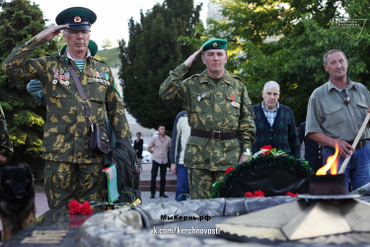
column 193, row 76
column 237, row 77
column 98, row 60
column 115, row 87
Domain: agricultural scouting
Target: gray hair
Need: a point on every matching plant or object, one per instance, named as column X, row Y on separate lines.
column 271, row 84
column 330, row 52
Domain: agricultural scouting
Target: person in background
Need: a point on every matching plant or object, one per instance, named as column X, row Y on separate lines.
column 275, row 123
column 138, row 146
column 180, row 135
column 159, row 146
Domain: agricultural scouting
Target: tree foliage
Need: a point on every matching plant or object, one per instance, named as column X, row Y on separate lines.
column 20, row 21
column 303, row 33
column 153, row 50
column 106, row 43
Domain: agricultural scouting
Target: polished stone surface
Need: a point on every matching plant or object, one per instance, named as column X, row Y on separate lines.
column 127, row 226
column 52, row 220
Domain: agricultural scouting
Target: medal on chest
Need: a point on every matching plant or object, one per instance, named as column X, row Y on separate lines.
column 61, row 76
column 200, row 96
column 95, row 76
column 235, row 101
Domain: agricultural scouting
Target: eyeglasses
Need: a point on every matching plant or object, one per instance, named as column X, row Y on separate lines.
column 346, row 99
column 75, row 33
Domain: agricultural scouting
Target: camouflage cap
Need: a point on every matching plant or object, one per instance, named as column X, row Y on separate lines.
column 215, row 44
column 77, row 18
column 93, row 47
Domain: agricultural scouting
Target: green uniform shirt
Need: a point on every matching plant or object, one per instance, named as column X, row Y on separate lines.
column 67, row 130
column 6, row 147
column 209, row 107
column 327, row 113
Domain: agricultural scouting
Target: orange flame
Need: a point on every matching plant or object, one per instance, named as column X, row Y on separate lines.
column 331, row 164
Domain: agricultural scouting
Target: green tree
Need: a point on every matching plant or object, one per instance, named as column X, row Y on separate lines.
column 153, row 50
column 303, row 34
column 106, row 43
column 20, row 21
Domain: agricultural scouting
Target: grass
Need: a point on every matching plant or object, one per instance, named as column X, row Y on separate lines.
column 109, row 56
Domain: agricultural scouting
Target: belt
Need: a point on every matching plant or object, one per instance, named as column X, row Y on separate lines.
column 361, row 143
column 214, row 135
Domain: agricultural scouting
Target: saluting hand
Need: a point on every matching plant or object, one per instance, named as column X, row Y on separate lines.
column 50, row 32
column 188, row 62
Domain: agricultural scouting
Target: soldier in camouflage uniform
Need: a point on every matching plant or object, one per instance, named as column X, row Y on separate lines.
column 219, row 114
column 72, row 171
column 6, row 147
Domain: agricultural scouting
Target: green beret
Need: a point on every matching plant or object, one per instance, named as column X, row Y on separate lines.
column 77, row 18
column 215, row 44
column 93, row 47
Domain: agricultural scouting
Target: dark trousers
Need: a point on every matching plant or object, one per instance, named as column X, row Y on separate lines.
column 155, row 167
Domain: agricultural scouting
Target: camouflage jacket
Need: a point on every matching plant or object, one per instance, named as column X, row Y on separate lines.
column 212, row 107
column 6, row 147
column 67, row 130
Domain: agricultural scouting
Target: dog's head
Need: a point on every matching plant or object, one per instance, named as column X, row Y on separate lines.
column 16, row 182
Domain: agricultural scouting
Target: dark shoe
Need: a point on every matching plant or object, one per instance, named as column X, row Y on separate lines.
column 164, row 195
column 152, row 196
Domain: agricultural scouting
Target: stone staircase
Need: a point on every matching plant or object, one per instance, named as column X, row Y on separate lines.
column 170, row 185
column 145, row 176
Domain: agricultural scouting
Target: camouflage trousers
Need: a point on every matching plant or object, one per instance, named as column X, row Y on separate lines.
column 201, row 180
column 65, row 182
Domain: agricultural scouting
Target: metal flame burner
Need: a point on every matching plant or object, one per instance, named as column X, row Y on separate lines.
column 326, row 215
column 328, row 185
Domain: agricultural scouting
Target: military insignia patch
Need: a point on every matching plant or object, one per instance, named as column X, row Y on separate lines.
column 77, row 19
column 214, row 44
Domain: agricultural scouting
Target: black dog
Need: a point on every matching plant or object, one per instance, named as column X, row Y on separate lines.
column 17, row 199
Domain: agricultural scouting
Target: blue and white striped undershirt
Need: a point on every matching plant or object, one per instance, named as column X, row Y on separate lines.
column 80, row 63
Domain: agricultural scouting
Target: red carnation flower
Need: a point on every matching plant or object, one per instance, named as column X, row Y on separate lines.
column 291, row 194
column 266, row 147
column 229, row 170
column 257, row 193
column 86, row 208
column 248, row 194
column 77, row 208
